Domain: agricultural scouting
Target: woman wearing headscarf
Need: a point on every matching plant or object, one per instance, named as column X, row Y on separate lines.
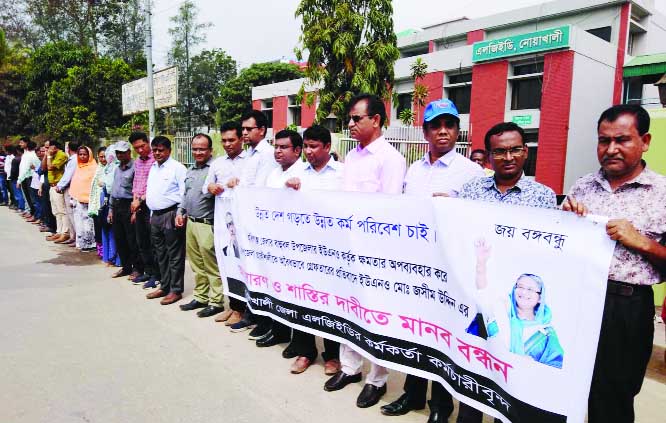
column 79, row 190
column 100, row 190
column 526, row 327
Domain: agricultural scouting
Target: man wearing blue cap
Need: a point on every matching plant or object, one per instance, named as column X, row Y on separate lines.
column 441, row 172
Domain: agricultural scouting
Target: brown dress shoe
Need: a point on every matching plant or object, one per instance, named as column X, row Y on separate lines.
column 224, row 316
column 171, row 298
column 234, row 318
column 300, row 365
column 120, row 273
column 156, row 294
column 133, row 275
column 331, row 367
column 63, row 238
column 53, row 237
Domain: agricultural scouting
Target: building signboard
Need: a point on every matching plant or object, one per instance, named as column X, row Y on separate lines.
column 532, row 42
column 522, row 120
column 165, row 88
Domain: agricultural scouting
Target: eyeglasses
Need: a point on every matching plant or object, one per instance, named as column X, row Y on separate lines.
column 357, row 118
column 513, row 151
column 528, row 289
column 282, row 147
column 249, row 128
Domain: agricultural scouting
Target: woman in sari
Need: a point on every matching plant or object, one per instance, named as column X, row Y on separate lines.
column 527, row 318
column 79, row 190
column 100, row 190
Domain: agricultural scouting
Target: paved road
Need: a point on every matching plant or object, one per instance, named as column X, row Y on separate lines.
column 78, row 346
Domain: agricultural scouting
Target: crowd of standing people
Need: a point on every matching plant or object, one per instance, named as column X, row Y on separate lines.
column 144, row 215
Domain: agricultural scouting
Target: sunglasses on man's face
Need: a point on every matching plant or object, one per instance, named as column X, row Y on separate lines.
column 357, row 118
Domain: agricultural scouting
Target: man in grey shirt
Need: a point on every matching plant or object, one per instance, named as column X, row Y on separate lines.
column 196, row 214
column 119, row 210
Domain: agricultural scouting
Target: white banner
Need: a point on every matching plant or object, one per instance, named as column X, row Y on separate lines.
column 501, row 304
column 165, row 88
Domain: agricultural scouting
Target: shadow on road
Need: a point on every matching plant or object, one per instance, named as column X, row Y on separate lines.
column 72, row 257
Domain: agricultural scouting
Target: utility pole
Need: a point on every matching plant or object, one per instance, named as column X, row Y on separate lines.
column 149, row 73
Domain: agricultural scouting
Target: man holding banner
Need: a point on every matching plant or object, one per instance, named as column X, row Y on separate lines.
column 505, row 144
column 321, row 173
column 373, row 166
column 633, row 197
column 440, row 173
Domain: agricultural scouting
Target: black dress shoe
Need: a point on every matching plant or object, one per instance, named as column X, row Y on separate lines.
column 192, row 305
column 210, row 311
column 401, row 406
column 340, row 380
column 290, row 351
column 370, row 395
column 271, row 340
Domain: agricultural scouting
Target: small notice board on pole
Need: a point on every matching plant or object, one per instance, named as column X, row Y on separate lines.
column 165, row 83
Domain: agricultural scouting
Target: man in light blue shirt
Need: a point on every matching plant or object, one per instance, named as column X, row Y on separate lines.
column 63, row 187
column 164, row 192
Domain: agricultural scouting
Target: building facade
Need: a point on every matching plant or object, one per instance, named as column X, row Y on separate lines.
column 551, row 68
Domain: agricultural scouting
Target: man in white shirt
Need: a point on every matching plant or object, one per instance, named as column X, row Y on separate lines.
column 222, row 171
column 259, row 163
column 260, row 158
column 164, row 192
column 321, row 173
column 440, row 173
column 288, row 148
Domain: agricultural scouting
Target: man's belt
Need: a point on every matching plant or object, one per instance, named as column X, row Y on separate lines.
column 624, row 289
column 122, row 201
column 201, row 220
column 163, row 211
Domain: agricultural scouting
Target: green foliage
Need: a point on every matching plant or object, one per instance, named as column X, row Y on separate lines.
column 406, row 116
column 87, row 100
column 186, row 35
column 351, row 47
column 48, row 64
column 12, row 87
column 210, row 70
column 419, row 70
column 236, row 95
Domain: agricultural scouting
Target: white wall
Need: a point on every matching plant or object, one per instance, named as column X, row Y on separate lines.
column 280, row 89
column 442, row 60
column 591, row 94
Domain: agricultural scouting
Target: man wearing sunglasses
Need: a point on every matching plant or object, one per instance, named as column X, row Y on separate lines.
column 505, row 144
column 373, row 166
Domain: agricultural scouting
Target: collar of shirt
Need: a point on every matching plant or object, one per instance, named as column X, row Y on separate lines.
column 489, row 182
column 445, row 160
column 259, row 148
column 374, row 147
column 129, row 165
column 149, row 157
column 243, row 154
column 205, row 165
column 646, row 177
column 331, row 164
column 166, row 163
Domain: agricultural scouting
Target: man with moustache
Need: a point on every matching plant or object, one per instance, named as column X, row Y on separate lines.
column 373, row 166
column 222, row 171
column 440, row 173
column 164, row 192
column 196, row 214
column 633, row 197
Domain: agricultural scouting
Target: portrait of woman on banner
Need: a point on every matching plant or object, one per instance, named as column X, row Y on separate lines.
column 524, row 323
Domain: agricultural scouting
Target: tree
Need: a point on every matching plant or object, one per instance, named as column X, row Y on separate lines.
column 186, row 35
column 352, row 49
column 210, row 70
column 88, row 100
column 46, row 65
column 236, row 95
column 13, row 60
column 419, row 70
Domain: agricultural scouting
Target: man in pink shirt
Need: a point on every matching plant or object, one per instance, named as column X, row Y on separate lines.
column 148, row 271
column 373, row 166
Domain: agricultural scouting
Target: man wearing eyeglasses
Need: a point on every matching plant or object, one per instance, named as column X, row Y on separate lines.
column 288, row 146
column 505, row 144
column 440, row 173
column 373, row 166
